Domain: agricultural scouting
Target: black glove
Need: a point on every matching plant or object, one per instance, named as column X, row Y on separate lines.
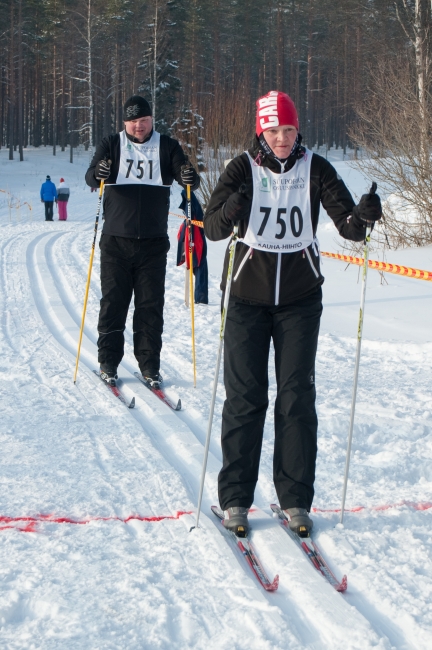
column 239, row 204
column 369, row 207
column 103, row 170
column 187, row 174
column 246, row 188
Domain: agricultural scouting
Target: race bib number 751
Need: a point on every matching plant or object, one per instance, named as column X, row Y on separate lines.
column 143, row 167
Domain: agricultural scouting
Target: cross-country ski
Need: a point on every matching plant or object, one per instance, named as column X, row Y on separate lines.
column 116, row 390
column 160, row 393
column 310, row 548
column 246, row 548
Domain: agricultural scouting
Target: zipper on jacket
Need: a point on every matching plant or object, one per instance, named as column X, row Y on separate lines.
column 278, row 274
column 308, row 255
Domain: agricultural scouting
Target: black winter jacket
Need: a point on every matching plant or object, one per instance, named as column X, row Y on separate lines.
column 300, row 273
column 137, row 211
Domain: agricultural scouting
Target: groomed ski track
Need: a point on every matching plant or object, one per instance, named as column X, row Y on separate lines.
column 46, row 269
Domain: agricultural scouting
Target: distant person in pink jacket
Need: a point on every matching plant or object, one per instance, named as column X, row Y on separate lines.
column 62, row 199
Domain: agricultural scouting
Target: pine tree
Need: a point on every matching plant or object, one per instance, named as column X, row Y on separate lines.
column 161, row 84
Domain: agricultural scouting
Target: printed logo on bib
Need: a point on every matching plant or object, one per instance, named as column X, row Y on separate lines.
column 264, row 186
column 289, row 183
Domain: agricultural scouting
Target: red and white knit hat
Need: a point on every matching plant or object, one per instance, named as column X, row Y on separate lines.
column 275, row 109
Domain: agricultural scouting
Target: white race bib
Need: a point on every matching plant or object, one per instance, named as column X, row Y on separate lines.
column 139, row 163
column 280, row 219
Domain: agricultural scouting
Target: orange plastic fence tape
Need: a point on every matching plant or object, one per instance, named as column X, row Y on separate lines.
column 383, row 266
column 359, row 261
column 182, row 216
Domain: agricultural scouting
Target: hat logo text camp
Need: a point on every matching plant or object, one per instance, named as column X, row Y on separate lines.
column 268, row 110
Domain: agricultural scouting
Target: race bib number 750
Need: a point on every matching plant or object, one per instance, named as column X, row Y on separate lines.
column 294, row 220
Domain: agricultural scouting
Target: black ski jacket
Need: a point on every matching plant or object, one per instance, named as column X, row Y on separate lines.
column 300, row 273
column 137, row 211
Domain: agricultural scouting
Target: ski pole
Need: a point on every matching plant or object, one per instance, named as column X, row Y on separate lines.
column 101, row 191
column 216, row 377
column 191, row 283
column 357, row 361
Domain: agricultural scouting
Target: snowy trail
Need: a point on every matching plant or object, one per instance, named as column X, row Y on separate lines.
column 113, row 455
column 77, row 453
column 36, row 255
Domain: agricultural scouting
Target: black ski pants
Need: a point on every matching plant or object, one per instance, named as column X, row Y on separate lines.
column 132, row 266
column 249, row 329
column 49, row 210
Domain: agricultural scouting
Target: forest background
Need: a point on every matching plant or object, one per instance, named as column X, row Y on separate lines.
column 358, row 71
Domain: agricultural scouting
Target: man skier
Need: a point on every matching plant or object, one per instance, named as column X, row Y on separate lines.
column 273, row 192
column 48, row 194
column 138, row 165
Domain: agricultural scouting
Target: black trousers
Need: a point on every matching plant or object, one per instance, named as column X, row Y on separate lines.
column 249, row 329
column 132, row 266
column 49, row 212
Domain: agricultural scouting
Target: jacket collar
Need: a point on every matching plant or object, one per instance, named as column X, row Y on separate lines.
column 132, row 139
column 267, row 160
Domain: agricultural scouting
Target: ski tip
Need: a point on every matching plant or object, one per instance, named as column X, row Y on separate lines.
column 178, row 407
column 132, row 404
column 272, row 586
column 343, row 585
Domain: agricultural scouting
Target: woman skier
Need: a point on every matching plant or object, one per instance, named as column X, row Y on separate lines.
column 274, row 192
column 63, row 194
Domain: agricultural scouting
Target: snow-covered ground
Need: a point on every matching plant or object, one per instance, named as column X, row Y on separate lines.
column 97, row 501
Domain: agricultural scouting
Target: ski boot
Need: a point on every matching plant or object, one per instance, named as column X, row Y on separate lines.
column 152, row 378
column 299, row 521
column 235, row 520
column 109, row 375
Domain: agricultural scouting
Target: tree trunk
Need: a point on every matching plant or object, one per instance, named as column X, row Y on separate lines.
column 89, row 78
column 54, row 102
column 11, row 85
column 71, row 121
column 20, row 85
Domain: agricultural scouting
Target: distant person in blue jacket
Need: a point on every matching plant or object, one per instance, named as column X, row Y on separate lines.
column 48, row 194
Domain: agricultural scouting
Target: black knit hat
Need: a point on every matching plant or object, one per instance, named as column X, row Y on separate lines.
column 136, row 107
column 48, row 178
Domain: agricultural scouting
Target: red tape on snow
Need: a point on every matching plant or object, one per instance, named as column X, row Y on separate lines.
column 29, row 524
